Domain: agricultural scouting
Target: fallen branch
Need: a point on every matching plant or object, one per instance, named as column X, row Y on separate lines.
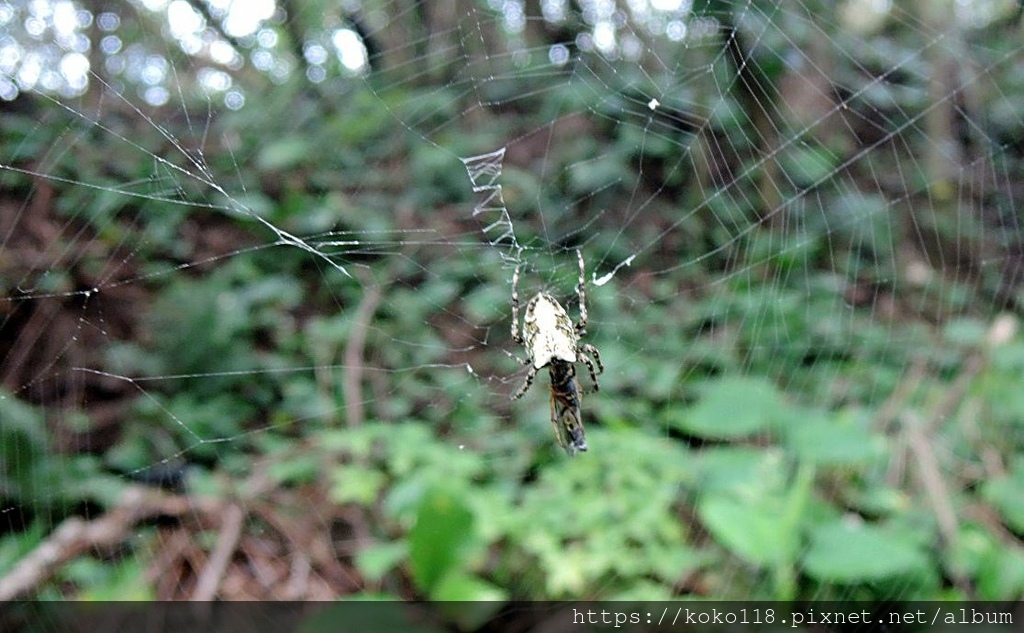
column 227, row 543
column 75, row 536
column 352, row 379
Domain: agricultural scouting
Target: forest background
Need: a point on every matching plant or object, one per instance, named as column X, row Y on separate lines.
column 254, row 318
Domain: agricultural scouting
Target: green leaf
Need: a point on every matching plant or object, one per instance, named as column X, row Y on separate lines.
column 104, row 580
column 814, row 437
column 996, row 567
column 1007, row 495
column 880, row 500
column 15, row 545
column 808, row 165
column 740, row 468
column 440, row 537
column 755, row 530
column 468, row 601
column 1001, row 574
column 464, row 588
column 294, row 469
column 22, row 442
column 357, row 484
column 732, row 408
column 376, row 560
column 850, row 552
column 596, row 174
column 613, row 515
column 965, row 332
column 283, row 153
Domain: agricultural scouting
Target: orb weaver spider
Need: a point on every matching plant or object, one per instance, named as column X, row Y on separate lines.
column 551, row 340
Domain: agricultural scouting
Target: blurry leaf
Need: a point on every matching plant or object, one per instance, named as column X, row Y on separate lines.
column 254, row 203
column 881, row 500
column 304, row 399
column 283, row 153
column 755, row 530
column 465, row 588
column 971, row 544
column 728, row 115
column 1008, row 357
column 365, row 118
column 815, row 437
column 376, row 560
column 356, row 483
column 568, row 567
column 1007, row 495
column 670, row 562
column 123, row 581
column 15, row 545
column 609, row 514
column 865, row 221
column 1000, row 573
column 22, row 443
column 999, row 388
column 593, row 175
column 846, row 551
column 291, row 468
column 405, row 498
column 211, row 418
column 740, row 468
column 477, row 600
column 31, row 474
column 440, row 538
column 108, row 581
column 996, row 568
column 965, row 332
column 731, row 408
column 808, row 165
column 84, row 478
column 659, row 377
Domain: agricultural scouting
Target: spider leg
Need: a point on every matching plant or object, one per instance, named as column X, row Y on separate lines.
column 581, row 325
column 530, row 375
column 521, row 361
column 587, row 348
column 585, row 352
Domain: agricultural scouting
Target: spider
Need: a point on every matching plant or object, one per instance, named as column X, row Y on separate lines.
column 551, row 340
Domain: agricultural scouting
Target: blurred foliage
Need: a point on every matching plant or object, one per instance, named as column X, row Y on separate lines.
column 752, row 437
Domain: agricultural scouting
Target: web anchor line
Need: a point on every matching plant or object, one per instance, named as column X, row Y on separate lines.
column 484, row 171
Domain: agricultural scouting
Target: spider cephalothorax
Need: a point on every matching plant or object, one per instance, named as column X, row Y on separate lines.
column 551, row 340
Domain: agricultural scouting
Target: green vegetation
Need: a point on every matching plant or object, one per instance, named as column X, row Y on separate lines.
column 804, row 397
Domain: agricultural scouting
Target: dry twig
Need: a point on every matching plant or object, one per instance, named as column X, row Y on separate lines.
column 227, row 542
column 75, row 536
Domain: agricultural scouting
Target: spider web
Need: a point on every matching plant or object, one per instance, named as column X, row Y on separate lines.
column 228, row 304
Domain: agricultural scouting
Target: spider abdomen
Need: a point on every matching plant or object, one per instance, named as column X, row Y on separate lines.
column 548, row 332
